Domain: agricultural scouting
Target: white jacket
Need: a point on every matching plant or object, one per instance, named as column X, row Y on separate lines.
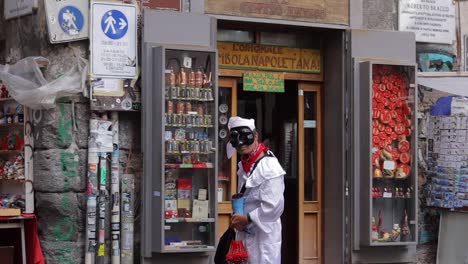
column 264, row 202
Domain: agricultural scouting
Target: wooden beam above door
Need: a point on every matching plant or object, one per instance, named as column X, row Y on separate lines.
column 287, row 75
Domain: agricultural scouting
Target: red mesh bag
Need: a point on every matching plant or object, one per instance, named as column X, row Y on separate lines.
column 237, row 253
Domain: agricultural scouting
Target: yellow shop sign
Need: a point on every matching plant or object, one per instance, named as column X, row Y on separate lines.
column 270, row 58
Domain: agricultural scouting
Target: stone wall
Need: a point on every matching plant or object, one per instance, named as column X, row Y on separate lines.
column 60, row 165
column 61, row 139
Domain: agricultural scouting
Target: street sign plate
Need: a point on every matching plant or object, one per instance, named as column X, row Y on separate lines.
column 113, row 40
column 67, row 20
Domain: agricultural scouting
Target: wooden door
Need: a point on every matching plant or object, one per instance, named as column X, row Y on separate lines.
column 310, row 173
column 227, row 177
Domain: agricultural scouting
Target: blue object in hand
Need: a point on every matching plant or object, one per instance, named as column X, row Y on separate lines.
column 238, row 204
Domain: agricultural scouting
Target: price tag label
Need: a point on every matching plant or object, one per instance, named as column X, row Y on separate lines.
column 389, row 165
column 387, row 195
column 187, row 62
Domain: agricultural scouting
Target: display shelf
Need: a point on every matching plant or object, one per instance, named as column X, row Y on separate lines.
column 10, row 152
column 183, row 110
column 188, row 153
column 388, row 152
column 391, row 198
column 190, row 166
column 189, row 99
column 190, row 220
column 10, row 212
column 16, row 162
column 13, row 180
column 189, row 126
column 386, row 244
column 188, row 249
column 11, row 125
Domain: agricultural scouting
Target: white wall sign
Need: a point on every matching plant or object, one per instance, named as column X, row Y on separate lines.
column 431, row 20
column 113, row 40
column 17, row 8
column 67, row 20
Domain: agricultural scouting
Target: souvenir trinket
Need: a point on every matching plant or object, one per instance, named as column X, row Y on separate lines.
column 180, row 107
column 198, row 79
column 182, row 78
column 192, row 79
column 169, row 107
column 188, row 107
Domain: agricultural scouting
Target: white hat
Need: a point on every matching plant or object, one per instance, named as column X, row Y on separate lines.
column 236, row 121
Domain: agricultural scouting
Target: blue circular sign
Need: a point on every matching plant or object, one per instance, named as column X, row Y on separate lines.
column 114, row 24
column 71, row 20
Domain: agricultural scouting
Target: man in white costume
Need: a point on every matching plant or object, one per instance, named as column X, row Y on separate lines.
column 263, row 176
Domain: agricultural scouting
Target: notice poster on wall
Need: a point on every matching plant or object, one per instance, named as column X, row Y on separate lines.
column 13, row 9
column 431, row 20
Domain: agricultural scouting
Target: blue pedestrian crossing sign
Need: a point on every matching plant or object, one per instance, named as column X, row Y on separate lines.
column 114, row 24
column 113, row 40
column 71, row 20
column 67, row 20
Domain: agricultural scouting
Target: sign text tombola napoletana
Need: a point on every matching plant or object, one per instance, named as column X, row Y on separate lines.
column 263, row 57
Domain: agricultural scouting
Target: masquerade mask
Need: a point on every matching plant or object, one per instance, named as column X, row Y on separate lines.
column 240, row 136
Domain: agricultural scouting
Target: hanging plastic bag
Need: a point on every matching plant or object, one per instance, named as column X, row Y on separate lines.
column 237, row 253
column 27, row 85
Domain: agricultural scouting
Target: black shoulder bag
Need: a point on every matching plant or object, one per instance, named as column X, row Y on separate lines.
column 230, row 234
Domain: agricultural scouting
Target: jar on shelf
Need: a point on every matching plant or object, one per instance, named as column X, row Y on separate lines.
column 169, row 107
column 192, row 79
column 200, row 109
column 188, row 107
column 182, row 78
column 180, row 107
column 199, row 79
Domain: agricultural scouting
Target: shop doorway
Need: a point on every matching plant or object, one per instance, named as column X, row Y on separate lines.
column 289, row 124
column 275, row 117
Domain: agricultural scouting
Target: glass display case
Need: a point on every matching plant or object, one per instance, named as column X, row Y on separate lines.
column 181, row 138
column 388, row 162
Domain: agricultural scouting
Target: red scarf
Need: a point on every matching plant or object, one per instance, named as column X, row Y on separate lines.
column 249, row 160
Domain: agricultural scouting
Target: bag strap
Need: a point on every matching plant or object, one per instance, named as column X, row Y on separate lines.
column 242, row 189
column 267, row 154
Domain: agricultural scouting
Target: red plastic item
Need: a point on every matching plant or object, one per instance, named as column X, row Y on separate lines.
column 33, row 246
column 237, row 253
column 391, row 117
column 404, row 146
column 405, row 157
